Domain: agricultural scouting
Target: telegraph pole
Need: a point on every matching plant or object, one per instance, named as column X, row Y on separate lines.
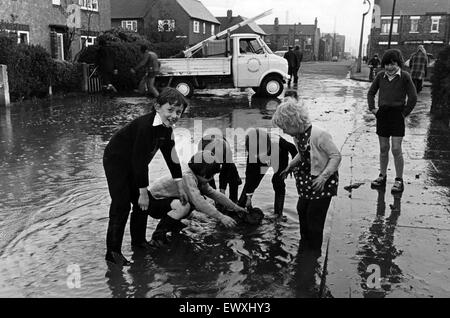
column 392, row 24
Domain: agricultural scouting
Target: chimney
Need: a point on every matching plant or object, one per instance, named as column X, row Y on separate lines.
column 276, row 22
column 229, row 14
column 315, row 22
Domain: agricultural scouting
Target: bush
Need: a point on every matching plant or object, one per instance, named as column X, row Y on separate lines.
column 126, row 46
column 67, row 77
column 440, row 83
column 30, row 68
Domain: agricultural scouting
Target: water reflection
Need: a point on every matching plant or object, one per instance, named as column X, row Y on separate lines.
column 377, row 248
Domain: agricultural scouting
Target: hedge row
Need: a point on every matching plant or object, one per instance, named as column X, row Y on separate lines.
column 31, row 70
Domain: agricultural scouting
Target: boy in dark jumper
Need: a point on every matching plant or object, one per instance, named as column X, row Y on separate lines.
column 126, row 159
column 393, row 86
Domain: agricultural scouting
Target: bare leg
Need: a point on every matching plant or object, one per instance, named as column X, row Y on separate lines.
column 398, row 156
column 384, row 154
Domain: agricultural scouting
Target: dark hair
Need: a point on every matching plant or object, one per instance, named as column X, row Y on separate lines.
column 291, row 93
column 204, row 164
column 297, row 47
column 392, row 55
column 144, row 48
column 290, row 48
column 218, row 146
column 173, row 97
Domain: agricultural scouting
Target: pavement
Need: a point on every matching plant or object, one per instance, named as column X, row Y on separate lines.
column 385, row 245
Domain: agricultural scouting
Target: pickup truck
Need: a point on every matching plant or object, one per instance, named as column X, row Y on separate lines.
column 238, row 61
column 243, row 60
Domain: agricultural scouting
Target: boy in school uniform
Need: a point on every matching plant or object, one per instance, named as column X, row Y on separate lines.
column 126, row 159
column 164, row 204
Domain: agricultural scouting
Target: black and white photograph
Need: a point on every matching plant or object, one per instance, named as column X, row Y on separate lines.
column 224, row 154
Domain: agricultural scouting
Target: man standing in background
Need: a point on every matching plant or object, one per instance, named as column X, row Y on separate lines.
column 299, row 57
column 292, row 64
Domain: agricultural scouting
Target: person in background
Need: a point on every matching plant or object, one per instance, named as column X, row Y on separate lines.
column 292, row 65
column 315, row 169
column 126, row 159
column 418, row 64
column 151, row 67
column 106, row 62
column 299, row 56
column 393, row 85
column 374, row 64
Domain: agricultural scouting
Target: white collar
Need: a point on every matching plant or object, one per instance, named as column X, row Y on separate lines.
column 157, row 121
column 399, row 73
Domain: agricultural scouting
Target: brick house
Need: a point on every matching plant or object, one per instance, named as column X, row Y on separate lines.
column 229, row 21
column 280, row 36
column 164, row 20
column 44, row 22
column 331, row 44
column 425, row 22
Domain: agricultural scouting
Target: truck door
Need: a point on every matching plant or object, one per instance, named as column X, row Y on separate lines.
column 252, row 62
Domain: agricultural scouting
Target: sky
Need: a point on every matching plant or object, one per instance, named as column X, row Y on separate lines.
column 344, row 16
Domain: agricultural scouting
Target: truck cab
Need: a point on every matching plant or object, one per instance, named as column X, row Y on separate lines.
column 255, row 65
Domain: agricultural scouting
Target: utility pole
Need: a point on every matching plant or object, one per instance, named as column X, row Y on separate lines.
column 358, row 65
column 392, row 24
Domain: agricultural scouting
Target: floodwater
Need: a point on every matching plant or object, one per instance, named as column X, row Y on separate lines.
column 54, row 203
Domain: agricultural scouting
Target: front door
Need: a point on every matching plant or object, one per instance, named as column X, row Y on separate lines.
column 252, row 62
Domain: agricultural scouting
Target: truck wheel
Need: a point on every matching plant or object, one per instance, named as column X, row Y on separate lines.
column 272, row 86
column 184, row 86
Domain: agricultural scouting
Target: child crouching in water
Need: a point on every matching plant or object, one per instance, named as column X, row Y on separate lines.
column 164, row 203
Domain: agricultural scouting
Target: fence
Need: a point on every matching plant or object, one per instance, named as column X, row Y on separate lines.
column 91, row 79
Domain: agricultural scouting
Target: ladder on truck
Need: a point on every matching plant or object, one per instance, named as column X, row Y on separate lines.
column 192, row 50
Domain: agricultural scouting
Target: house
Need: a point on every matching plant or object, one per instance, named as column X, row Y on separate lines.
column 331, row 44
column 425, row 22
column 281, row 36
column 62, row 27
column 165, row 20
column 229, row 21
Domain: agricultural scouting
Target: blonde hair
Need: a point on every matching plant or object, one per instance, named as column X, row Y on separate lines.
column 291, row 114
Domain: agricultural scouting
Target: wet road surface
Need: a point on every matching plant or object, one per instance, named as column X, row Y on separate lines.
column 54, row 202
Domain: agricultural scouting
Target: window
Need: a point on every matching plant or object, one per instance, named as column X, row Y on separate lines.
column 213, row 29
column 435, row 24
column 204, row 28
column 129, row 25
column 56, row 2
column 196, row 27
column 285, row 43
column 23, row 37
column 386, row 25
column 91, row 5
column 87, row 41
column 414, row 24
column 166, row 25
column 250, row 46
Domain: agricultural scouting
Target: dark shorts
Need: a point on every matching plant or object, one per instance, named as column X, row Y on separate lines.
column 158, row 208
column 390, row 122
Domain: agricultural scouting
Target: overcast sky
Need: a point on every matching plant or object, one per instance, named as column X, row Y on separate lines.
column 346, row 15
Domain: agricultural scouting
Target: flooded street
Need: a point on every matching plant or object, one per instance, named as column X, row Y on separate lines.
column 54, row 203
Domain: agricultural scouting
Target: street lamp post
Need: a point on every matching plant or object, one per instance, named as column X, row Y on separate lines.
column 392, row 25
column 358, row 66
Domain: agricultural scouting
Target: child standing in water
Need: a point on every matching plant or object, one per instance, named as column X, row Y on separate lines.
column 126, row 159
column 393, row 86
